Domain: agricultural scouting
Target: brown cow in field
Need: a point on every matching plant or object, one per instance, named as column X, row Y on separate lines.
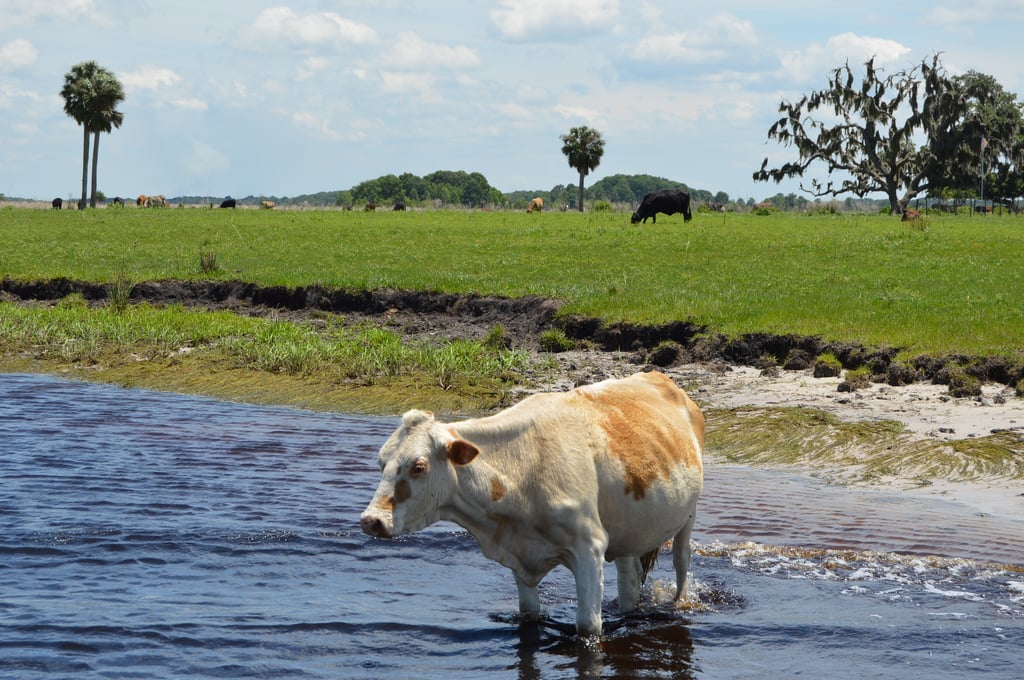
column 536, row 204
column 267, row 205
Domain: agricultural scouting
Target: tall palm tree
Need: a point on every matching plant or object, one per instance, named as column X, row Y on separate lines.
column 583, row 148
column 91, row 95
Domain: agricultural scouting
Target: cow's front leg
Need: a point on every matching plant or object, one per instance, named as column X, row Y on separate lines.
column 589, row 573
column 529, row 599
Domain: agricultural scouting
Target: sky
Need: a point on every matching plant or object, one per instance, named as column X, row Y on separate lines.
column 239, row 98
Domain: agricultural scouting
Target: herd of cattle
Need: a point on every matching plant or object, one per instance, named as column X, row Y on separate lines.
column 665, row 201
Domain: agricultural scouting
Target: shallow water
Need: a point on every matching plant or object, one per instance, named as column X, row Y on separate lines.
column 157, row 535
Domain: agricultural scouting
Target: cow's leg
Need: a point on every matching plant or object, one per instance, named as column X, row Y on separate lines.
column 588, row 568
column 681, row 555
column 529, row 599
column 629, row 570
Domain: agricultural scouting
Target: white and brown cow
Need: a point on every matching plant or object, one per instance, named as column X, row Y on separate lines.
column 609, row 471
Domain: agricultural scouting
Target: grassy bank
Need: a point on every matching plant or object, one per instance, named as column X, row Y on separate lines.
column 951, row 284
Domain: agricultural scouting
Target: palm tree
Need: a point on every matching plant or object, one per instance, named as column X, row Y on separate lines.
column 583, row 148
column 91, row 95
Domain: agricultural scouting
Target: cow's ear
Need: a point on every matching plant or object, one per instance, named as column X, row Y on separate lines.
column 461, row 452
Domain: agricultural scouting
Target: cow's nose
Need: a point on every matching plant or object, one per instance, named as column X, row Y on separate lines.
column 373, row 526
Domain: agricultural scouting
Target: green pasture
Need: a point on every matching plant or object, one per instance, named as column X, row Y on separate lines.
column 947, row 284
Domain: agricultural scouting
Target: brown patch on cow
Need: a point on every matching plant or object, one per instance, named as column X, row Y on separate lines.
column 403, row 491
column 497, row 489
column 387, row 504
column 649, row 449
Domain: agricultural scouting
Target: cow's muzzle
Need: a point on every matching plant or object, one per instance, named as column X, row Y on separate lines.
column 375, row 525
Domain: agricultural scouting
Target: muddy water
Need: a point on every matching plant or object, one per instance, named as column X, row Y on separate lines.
column 153, row 535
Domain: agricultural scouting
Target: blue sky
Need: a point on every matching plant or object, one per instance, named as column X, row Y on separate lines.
column 226, row 97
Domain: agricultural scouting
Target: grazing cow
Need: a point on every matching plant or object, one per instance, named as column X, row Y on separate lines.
column 57, row 203
column 911, row 216
column 228, row 203
column 399, row 205
column 156, row 201
column 141, row 200
column 608, row 471
column 370, row 207
column 536, row 204
column 668, row 201
column 118, row 202
column 267, row 205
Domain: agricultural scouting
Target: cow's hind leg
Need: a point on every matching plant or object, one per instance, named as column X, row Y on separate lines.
column 681, row 555
column 630, row 573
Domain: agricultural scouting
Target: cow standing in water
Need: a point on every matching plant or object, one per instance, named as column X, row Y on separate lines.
column 667, row 201
column 609, row 471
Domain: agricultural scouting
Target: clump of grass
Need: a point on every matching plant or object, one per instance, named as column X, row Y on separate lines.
column 827, row 366
column 554, row 340
column 962, row 384
column 856, row 379
column 208, row 261
column 120, row 291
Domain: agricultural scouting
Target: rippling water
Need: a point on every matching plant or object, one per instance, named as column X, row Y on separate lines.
column 156, row 535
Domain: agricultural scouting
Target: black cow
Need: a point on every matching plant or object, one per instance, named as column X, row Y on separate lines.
column 668, row 201
column 57, row 203
column 228, row 203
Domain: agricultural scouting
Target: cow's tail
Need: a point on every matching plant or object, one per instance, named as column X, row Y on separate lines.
column 647, row 562
column 687, row 215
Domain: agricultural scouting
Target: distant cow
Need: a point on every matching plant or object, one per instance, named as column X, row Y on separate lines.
column 57, row 203
column 667, row 201
column 267, row 205
column 228, row 203
column 911, row 216
column 609, row 471
column 399, row 205
column 370, row 207
column 117, row 202
column 157, row 201
column 536, row 204
column 141, row 200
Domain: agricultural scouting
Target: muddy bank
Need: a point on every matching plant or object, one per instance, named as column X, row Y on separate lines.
column 450, row 315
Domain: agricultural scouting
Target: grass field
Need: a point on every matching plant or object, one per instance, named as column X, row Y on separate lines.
column 949, row 284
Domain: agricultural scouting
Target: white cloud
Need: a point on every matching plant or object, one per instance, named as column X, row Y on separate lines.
column 282, row 26
column 17, row 54
column 310, row 68
column 411, row 51
column 149, row 78
column 317, row 125
column 712, row 39
column 979, row 11
column 540, row 19
column 190, row 104
column 24, row 12
column 816, row 61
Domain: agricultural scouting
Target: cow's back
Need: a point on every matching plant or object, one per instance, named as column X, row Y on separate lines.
column 650, row 470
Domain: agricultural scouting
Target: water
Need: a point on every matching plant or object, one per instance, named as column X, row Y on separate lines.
column 152, row 535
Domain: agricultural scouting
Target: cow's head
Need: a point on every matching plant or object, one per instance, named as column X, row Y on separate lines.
column 635, row 218
column 418, row 476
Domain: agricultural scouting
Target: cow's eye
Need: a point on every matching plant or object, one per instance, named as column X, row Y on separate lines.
column 419, row 468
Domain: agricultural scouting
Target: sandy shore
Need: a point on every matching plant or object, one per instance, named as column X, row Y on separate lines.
column 925, row 410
